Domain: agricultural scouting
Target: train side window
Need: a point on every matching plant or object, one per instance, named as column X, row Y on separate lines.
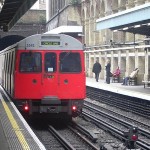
column 50, row 62
column 30, row 62
column 9, row 62
column 13, row 62
column 70, row 62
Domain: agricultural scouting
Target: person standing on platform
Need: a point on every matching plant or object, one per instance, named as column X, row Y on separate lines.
column 97, row 69
column 108, row 72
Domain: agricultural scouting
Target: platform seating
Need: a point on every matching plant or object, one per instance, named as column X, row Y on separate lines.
column 132, row 81
column 146, row 83
column 116, row 79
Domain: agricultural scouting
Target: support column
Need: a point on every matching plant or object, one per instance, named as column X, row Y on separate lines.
column 105, row 65
column 86, row 32
column 85, row 61
column 129, row 36
column 100, row 61
column 94, row 33
column 146, row 75
column 119, row 59
column 89, row 32
column 127, row 63
column 136, row 59
column 90, row 65
column 112, row 61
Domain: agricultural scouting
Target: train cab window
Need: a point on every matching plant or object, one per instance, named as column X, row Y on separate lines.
column 70, row 62
column 50, row 62
column 30, row 62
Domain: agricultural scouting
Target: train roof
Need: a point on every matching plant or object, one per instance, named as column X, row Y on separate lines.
column 47, row 42
column 50, row 42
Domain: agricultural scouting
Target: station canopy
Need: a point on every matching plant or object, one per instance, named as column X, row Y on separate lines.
column 66, row 29
column 135, row 20
column 12, row 10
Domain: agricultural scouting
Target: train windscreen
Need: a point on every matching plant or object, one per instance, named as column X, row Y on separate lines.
column 30, row 62
column 70, row 62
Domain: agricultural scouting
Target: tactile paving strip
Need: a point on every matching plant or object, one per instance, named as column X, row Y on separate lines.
column 11, row 133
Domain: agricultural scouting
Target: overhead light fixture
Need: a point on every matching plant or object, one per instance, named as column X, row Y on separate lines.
column 137, row 26
column 126, row 28
column 115, row 30
column 81, row 34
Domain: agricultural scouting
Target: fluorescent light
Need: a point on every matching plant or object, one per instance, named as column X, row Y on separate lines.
column 126, row 28
column 115, row 30
column 137, row 26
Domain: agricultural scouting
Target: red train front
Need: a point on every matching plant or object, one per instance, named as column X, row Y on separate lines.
column 48, row 76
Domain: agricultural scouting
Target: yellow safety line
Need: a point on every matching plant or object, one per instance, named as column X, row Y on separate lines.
column 15, row 127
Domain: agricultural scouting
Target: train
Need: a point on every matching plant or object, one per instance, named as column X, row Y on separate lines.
column 45, row 74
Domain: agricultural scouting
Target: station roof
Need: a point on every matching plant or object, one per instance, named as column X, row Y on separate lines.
column 135, row 20
column 66, row 29
column 12, row 10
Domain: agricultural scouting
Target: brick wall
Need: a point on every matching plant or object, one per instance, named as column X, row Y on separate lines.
column 33, row 22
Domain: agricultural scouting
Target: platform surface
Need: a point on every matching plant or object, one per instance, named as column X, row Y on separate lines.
column 15, row 133
column 130, row 90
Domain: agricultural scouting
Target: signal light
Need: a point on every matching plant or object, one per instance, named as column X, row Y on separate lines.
column 134, row 130
column 133, row 134
column 132, row 137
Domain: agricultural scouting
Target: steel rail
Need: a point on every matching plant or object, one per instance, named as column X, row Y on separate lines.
column 113, row 130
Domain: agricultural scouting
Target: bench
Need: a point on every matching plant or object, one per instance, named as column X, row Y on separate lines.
column 115, row 79
column 132, row 81
column 146, row 83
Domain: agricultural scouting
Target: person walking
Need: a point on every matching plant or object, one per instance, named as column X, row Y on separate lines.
column 108, row 72
column 97, row 69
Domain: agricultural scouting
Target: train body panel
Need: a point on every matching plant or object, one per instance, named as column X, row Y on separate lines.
column 45, row 74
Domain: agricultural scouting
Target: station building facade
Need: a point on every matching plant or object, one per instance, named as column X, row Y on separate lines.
column 123, row 48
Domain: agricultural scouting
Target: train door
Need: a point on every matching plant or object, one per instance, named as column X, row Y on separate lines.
column 71, row 77
column 50, row 77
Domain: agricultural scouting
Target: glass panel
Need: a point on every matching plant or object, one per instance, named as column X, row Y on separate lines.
column 70, row 62
column 50, row 62
column 30, row 62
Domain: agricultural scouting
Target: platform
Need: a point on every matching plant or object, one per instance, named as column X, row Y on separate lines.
column 131, row 90
column 15, row 133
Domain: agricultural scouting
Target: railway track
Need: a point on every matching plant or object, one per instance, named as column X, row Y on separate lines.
column 71, row 139
column 66, row 137
column 110, row 118
column 113, row 123
column 131, row 104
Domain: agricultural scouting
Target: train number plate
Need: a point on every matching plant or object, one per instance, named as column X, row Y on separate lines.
column 49, row 109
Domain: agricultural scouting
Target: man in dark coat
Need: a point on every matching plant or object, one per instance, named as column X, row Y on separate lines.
column 97, row 70
column 108, row 72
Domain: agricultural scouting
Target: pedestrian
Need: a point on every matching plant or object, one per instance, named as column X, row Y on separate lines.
column 97, row 69
column 108, row 73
